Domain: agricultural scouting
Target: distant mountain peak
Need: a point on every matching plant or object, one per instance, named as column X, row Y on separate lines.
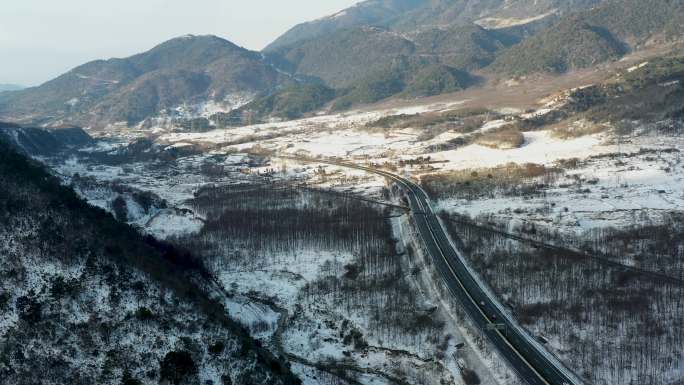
column 206, row 37
column 189, row 69
column 187, row 40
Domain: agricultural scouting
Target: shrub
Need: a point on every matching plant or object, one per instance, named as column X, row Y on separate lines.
column 216, row 348
column 578, row 130
column 120, row 209
column 129, row 380
column 504, row 138
column 470, row 377
column 144, row 314
column 29, row 309
column 4, row 300
column 177, row 366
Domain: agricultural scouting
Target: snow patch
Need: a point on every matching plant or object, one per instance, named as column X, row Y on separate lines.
column 540, row 147
column 171, row 223
column 496, row 22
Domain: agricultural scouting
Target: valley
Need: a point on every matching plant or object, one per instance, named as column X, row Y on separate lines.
column 406, row 192
column 244, row 203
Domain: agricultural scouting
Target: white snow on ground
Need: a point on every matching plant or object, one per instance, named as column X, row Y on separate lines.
column 259, row 319
column 109, row 307
column 419, row 109
column 168, row 223
column 344, row 136
column 284, row 277
column 345, row 144
column 341, row 136
column 540, row 147
column 168, row 118
column 493, row 124
column 605, row 192
column 160, row 223
column 636, row 67
column 105, row 146
column 497, row 22
column 326, row 124
column 81, row 76
column 338, row 15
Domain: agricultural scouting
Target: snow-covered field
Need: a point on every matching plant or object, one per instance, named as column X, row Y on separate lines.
column 602, row 192
column 643, row 182
column 346, row 136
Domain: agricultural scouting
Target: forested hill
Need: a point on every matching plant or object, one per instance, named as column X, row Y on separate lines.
column 188, row 70
column 85, row 299
column 410, row 15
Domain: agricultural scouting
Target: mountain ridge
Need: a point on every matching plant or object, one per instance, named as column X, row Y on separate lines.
column 374, row 50
column 10, row 87
column 187, row 69
column 407, row 15
column 603, row 33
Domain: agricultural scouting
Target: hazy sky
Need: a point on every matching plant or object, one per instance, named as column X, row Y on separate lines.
column 40, row 39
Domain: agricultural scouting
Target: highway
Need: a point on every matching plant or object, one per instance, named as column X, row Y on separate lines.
column 524, row 354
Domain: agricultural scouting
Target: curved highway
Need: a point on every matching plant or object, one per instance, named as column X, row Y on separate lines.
column 524, row 354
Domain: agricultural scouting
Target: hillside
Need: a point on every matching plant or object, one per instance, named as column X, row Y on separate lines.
column 373, row 12
column 378, row 42
column 36, row 141
column 379, row 49
column 467, row 47
column 85, row 299
column 638, row 22
column 570, row 44
column 305, row 251
column 412, row 15
column 594, row 36
column 185, row 70
column 284, row 104
column 404, row 79
column 367, row 64
column 342, row 58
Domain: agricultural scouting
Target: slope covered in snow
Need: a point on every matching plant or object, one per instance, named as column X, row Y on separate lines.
column 85, row 299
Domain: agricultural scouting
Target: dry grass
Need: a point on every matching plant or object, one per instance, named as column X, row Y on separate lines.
column 509, row 172
column 578, row 129
column 504, row 138
column 454, row 117
column 509, row 180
